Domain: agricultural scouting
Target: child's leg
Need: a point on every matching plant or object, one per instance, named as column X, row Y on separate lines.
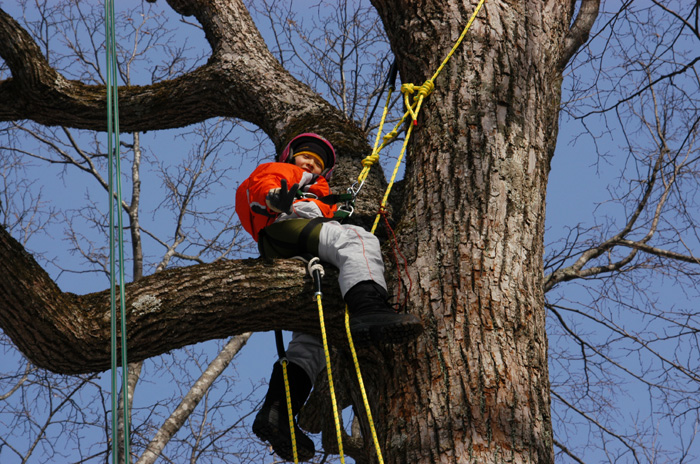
column 354, row 251
column 306, row 351
column 357, row 254
column 282, row 240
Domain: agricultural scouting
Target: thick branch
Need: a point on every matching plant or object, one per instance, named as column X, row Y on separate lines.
column 70, row 334
column 255, row 86
column 37, row 91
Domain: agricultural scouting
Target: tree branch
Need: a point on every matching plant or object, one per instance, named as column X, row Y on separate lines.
column 659, row 251
column 190, row 401
column 38, row 92
column 70, row 334
column 602, row 427
column 257, row 88
column 576, row 270
column 578, row 34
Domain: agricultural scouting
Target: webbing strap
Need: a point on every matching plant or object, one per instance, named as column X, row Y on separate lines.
column 297, row 245
column 308, row 230
column 335, row 198
column 279, row 342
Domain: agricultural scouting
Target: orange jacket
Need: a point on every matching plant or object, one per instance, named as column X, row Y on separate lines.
column 250, row 197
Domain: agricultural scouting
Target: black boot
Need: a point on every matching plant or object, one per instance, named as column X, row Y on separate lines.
column 272, row 422
column 373, row 320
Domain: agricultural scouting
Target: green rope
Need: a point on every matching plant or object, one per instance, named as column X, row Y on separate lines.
column 114, row 173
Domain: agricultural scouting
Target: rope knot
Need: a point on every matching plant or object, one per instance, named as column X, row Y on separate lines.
column 426, row 89
column 408, row 89
column 370, row 160
column 423, row 90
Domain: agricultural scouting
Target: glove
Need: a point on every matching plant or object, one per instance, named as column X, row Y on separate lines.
column 280, row 200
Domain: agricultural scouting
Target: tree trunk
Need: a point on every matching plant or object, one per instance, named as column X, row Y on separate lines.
column 475, row 388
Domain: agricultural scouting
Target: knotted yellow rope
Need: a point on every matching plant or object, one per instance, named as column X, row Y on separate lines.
column 423, row 91
column 413, row 109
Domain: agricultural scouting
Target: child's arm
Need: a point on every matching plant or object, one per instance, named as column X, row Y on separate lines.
column 265, row 183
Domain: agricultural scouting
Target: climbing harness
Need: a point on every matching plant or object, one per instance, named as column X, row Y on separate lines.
column 345, row 202
column 115, row 202
column 413, row 108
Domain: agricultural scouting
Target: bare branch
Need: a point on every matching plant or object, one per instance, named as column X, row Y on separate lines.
column 194, row 396
column 580, row 30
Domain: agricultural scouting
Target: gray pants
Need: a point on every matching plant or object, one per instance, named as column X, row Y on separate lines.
column 357, row 255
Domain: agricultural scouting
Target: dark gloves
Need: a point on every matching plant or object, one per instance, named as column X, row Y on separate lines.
column 280, row 199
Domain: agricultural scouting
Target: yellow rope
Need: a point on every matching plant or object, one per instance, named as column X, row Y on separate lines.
column 423, row 91
column 330, row 378
column 288, row 395
column 393, row 178
column 413, row 109
column 459, row 40
column 365, row 401
column 370, row 160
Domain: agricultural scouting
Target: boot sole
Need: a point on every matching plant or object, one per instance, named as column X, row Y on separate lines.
column 281, row 442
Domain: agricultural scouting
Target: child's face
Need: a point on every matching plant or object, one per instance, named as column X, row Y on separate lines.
column 308, row 163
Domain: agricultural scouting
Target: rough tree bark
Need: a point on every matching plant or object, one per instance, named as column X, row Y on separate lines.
column 475, row 387
column 474, row 227
column 69, row 333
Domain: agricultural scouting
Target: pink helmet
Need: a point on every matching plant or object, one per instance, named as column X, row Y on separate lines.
column 314, row 143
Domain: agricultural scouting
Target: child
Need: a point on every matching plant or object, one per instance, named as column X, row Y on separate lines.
column 280, row 206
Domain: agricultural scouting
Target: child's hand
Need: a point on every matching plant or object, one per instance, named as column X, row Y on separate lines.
column 280, row 200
